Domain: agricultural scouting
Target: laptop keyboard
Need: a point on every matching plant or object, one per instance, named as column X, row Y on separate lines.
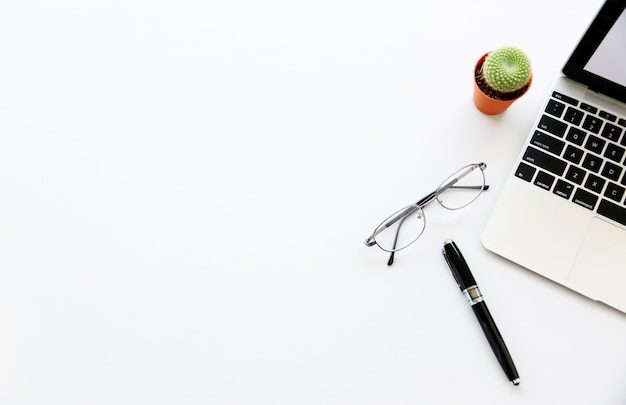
column 578, row 153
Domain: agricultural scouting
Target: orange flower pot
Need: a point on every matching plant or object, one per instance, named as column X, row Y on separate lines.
column 487, row 104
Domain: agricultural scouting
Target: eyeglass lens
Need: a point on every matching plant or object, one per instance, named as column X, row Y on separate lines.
column 401, row 229
column 461, row 188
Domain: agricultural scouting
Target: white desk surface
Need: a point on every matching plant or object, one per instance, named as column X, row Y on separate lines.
column 186, row 187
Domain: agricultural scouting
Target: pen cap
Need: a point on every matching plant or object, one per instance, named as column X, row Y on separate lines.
column 458, row 266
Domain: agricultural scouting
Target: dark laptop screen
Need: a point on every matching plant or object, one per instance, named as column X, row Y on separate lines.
column 599, row 60
column 609, row 60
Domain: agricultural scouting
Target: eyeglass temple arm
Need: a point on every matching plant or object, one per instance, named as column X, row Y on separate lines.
column 426, row 199
column 392, row 254
column 470, row 169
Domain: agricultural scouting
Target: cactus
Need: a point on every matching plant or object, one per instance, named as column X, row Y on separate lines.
column 507, row 70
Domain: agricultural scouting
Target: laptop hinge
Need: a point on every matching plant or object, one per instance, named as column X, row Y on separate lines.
column 608, row 103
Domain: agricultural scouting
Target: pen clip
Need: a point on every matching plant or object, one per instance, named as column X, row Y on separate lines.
column 451, row 266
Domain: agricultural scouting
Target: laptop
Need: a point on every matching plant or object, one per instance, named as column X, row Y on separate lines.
column 562, row 212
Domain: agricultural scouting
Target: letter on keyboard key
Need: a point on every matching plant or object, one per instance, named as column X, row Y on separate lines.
column 612, row 211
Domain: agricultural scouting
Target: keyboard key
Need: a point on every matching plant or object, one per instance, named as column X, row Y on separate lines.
column 614, row 152
column 614, row 192
column 608, row 116
column 544, row 161
column 592, row 124
column 563, row 97
column 622, row 122
column 595, row 144
column 555, row 108
column 563, row 189
column 547, row 143
column 592, row 162
column 611, row 171
column 544, row 180
column 595, row 183
column 573, row 154
column 589, row 108
column 585, row 199
column 574, row 116
column 576, row 136
column 552, row 126
column 525, row 172
column 612, row 211
column 575, row 174
column 611, row 132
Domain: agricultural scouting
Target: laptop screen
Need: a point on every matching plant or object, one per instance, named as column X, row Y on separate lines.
column 609, row 60
column 599, row 60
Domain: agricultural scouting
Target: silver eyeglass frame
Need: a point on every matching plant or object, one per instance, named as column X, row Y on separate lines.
column 417, row 207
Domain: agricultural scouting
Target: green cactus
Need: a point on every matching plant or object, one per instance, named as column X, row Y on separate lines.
column 507, row 69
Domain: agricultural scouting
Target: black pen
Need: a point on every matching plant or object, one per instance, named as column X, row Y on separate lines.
column 463, row 276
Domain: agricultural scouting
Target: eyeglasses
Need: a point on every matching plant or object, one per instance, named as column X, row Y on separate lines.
column 406, row 225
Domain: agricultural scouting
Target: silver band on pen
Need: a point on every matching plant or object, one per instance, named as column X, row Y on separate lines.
column 473, row 295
